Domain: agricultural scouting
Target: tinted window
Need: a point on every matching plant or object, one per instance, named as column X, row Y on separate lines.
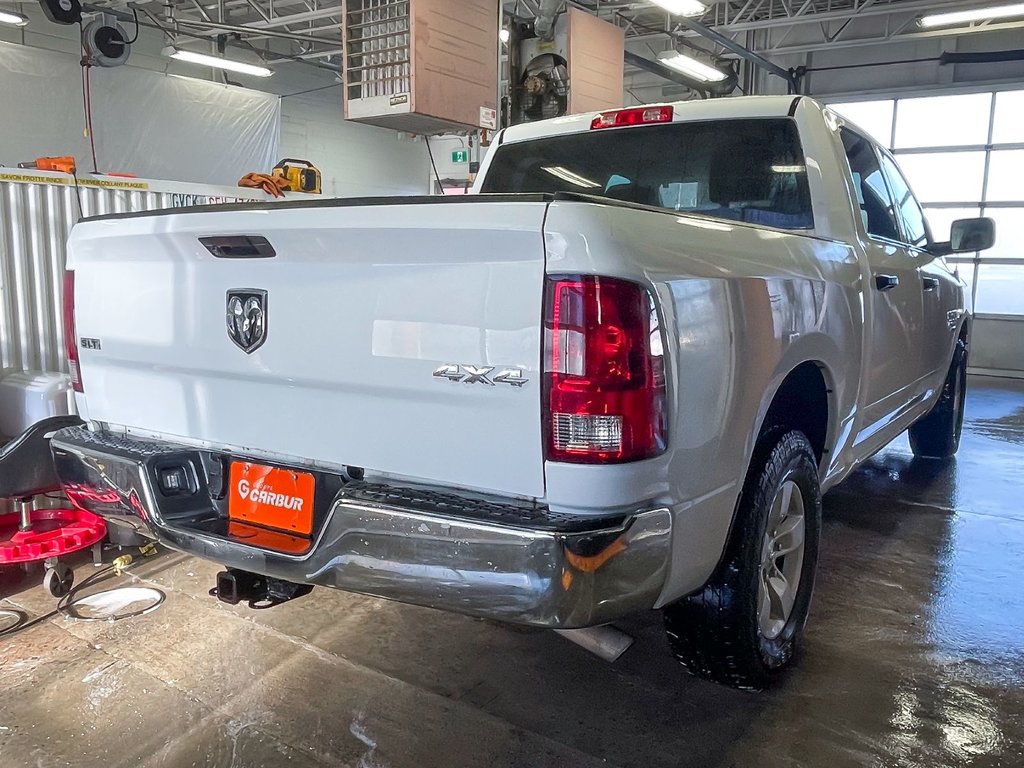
column 740, row 170
column 876, row 205
column 907, row 206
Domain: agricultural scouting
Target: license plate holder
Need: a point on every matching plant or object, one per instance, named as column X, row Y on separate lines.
column 273, row 497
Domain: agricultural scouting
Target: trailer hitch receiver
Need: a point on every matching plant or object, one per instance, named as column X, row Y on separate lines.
column 235, row 586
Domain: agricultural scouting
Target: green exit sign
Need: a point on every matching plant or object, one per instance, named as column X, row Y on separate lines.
column 460, row 156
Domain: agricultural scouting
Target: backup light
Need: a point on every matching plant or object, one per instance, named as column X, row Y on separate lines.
column 974, row 14
column 682, row 7
column 219, row 62
column 504, row 35
column 688, row 65
column 618, row 118
column 604, row 387
column 10, row 17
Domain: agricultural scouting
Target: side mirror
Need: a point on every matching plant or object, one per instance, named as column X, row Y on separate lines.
column 968, row 235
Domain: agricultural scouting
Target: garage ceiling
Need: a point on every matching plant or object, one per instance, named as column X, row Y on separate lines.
column 309, row 30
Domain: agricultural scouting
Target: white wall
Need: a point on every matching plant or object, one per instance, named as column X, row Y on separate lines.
column 144, row 122
column 354, row 159
column 852, row 79
column 914, row 77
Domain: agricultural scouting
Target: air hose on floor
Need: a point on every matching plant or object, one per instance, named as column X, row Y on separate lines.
column 106, row 605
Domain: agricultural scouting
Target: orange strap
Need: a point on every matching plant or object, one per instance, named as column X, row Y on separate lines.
column 274, row 186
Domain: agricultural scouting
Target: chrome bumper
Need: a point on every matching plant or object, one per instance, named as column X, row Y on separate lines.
column 494, row 560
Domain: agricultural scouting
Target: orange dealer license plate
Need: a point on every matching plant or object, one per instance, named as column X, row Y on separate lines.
column 272, row 497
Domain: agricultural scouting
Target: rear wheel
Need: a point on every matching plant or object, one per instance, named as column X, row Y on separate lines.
column 743, row 628
column 937, row 434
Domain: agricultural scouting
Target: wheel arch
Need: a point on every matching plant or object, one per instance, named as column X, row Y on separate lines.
column 781, row 408
column 803, row 399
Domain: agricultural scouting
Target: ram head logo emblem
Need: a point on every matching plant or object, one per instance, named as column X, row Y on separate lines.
column 247, row 318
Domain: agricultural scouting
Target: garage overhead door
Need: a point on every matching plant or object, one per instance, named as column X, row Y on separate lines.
column 964, row 156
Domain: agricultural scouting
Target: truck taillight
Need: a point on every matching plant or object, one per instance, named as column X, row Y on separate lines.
column 604, row 378
column 70, row 337
column 619, row 118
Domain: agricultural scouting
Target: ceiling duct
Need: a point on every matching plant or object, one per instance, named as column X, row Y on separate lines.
column 547, row 15
column 580, row 69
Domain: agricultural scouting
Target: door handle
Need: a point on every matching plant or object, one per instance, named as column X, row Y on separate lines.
column 886, row 282
column 930, row 284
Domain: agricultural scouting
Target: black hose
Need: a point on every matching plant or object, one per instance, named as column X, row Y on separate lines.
column 68, row 601
column 430, row 152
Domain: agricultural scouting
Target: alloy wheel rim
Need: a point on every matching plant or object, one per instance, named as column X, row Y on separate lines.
column 782, row 560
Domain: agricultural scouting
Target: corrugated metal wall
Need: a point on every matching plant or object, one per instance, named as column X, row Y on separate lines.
column 35, row 220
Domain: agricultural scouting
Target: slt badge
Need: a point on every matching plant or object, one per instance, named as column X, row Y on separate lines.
column 471, row 374
column 247, row 318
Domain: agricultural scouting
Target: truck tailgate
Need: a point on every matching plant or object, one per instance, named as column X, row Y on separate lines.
column 364, row 302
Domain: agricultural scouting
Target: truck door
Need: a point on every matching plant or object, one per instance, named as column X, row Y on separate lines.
column 893, row 296
column 939, row 289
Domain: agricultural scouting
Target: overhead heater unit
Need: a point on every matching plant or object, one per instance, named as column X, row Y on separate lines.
column 579, row 70
column 421, row 66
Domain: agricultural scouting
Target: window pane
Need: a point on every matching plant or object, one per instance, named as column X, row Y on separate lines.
column 907, row 206
column 1000, row 289
column 945, row 177
column 876, row 207
column 1009, row 123
column 966, row 272
column 1009, row 233
column 738, row 170
column 943, row 121
column 940, row 220
column 875, row 117
column 1006, row 176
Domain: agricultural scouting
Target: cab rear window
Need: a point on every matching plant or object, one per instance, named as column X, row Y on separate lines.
column 739, row 170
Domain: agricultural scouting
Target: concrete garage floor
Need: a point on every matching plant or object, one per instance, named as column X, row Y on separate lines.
column 914, row 657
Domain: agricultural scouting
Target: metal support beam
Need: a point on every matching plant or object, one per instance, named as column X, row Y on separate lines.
column 295, row 18
column 247, row 30
column 656, row 68
column 744, row 53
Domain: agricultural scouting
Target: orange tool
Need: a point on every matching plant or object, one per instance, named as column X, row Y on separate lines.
column 63, row 164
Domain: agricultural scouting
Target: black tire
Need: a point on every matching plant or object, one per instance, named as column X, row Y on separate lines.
column 937, row 434
column 716, row 632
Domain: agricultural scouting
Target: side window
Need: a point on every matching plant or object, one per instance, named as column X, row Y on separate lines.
column 907, row 206
column 876, row 204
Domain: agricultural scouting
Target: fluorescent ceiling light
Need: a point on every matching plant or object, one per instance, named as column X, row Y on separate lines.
column 573, row 178
column 220, row 63
column 682, row 7
column 788, row 169
column 690, row 66
column 975, row 14
column 10, row 17
column 504, row 35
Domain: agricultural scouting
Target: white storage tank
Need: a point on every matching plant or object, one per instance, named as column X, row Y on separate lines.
column 32, row 396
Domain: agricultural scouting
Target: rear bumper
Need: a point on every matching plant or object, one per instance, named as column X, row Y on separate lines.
column 471, row 556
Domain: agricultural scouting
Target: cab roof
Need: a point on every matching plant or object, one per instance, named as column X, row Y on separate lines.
column 683, row 111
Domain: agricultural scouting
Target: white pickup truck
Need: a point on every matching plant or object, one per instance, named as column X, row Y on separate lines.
column 618, row 377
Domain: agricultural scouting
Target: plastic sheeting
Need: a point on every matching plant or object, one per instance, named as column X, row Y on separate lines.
column 146, row 123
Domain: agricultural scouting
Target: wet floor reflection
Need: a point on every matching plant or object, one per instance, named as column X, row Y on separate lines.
column 913, row 657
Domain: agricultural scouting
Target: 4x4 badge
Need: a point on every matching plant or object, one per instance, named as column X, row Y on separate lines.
column 471, row 374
